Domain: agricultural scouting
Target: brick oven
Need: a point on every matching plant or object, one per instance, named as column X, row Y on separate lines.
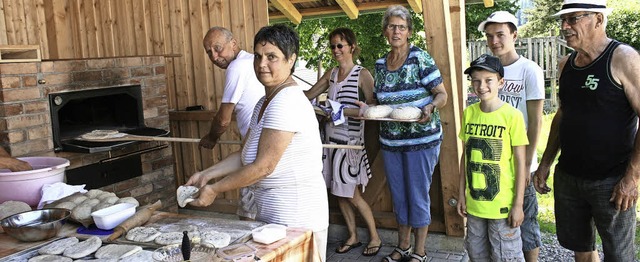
column 29, row 126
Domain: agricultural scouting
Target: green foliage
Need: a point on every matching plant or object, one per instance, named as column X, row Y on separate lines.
column 624, row 18
column 314, row 38
column 476, row 13
column 540, row 21
column 621, row 27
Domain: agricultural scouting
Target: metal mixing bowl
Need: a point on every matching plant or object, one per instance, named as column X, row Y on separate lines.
column 35, row 225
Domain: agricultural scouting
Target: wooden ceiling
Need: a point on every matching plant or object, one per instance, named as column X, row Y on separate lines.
column 296, row 10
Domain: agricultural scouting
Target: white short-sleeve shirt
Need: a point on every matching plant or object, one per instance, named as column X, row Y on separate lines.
column 242, row 88
column 294, row 194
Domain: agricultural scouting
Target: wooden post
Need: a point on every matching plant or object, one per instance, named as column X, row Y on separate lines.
column 438, row 30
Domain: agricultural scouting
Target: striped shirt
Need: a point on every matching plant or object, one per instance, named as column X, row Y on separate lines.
column 410, row 85
column 294, row 194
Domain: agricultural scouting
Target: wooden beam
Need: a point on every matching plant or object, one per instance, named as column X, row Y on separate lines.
column 437, row 25
column 336, row 10
column 290, row 11
column 416, row 5
column 349, row 8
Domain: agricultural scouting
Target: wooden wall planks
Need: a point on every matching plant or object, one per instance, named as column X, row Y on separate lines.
column 106, row 28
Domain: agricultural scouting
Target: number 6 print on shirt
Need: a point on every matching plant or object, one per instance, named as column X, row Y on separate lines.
column 491, row 150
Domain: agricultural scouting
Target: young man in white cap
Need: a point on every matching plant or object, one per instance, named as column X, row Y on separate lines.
column 523, row 89
column 596, row 179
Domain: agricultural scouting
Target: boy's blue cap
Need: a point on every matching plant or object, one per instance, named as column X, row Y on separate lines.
column 486, row 62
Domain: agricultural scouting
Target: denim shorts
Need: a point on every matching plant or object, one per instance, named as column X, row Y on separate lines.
column 530, row 229
column 492, row 240
column 581, row 206
column 409, row 176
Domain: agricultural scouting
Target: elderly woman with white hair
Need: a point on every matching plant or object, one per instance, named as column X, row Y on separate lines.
column 408, row 76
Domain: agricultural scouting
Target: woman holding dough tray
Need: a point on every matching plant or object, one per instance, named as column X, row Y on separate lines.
column 282, row 152
column 347, row 171
column 408, row 76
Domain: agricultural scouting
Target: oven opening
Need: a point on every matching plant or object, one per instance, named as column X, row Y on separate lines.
column 80, row 112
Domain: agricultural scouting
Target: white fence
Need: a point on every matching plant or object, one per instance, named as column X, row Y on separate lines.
column 545, row 51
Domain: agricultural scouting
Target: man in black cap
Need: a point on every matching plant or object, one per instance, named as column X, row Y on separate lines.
column 596, row 179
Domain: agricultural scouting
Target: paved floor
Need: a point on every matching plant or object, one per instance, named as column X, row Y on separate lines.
column 356, row 254
column 441, row 248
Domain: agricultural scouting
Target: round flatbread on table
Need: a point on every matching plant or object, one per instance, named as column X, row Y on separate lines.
column 116, row 251
column 214, row 239
column 50, row 258
column 57, row 247
column 84, row 248
column 142, row 234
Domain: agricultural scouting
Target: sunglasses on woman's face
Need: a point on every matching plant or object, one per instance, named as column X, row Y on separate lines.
column 339, row 46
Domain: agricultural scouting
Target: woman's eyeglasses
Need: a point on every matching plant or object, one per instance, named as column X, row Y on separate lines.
column 572, row 20
column 339, row 46
column 393, row 27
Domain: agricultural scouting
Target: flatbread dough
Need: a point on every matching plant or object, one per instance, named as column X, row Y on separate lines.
column 57, row 247
column 142, row 234
column 97, row 260
column 185, row 194
column 214, row 239
column 169, row 238
column 9, row 208
column 131, row 200
column 49, row 258
column 406, row 113
column 99, row 134
column 116, row 251
column 379, row 111
column 81, row 212
column 142, row 256
column 83, row 248
column 93, row 193
column 66, row 205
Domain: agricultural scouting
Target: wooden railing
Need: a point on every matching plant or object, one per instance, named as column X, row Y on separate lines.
column 545, row 51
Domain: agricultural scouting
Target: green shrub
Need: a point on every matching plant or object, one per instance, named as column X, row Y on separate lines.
column 622, row 26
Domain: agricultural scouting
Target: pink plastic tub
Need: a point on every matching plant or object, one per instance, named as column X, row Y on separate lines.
column 26, row 186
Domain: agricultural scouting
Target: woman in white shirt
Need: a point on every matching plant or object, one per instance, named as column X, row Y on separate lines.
column 282, row 153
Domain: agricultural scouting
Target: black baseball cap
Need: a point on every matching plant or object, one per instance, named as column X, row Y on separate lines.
column 486, row 62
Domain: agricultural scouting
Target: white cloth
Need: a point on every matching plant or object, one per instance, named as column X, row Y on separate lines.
column 58, row 190
column 294, row 194
column 242, row 88
column 337, row 114
column 524, row 81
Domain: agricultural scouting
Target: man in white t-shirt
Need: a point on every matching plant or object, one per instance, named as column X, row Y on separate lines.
column 523, row 89
column 242, row 90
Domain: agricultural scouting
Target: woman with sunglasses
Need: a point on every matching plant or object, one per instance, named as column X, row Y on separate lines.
column 408, row 76
column 347, row 171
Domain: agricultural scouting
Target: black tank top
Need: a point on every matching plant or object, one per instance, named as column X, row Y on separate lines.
column 598, row 124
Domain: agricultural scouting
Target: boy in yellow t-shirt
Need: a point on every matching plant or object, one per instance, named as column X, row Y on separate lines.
column 492, row 180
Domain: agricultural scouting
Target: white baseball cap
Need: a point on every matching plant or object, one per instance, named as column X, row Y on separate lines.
column 572, row 6
column 499, row 17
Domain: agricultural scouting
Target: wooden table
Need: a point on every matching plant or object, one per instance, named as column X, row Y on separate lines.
column 298, row 245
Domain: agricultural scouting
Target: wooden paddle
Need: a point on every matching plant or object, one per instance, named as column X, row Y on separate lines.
column 128, row 137
column 117, row 136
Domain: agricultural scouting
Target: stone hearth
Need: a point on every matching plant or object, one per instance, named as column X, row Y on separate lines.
column 25, row 120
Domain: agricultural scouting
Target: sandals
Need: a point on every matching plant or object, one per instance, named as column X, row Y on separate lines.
column 404, row 254
column 370, row 251
column 349, row 247
column 419, row 257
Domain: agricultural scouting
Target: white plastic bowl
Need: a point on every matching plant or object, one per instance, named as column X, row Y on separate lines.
column 110, row 217
column 46, row 170
column 269, row 233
